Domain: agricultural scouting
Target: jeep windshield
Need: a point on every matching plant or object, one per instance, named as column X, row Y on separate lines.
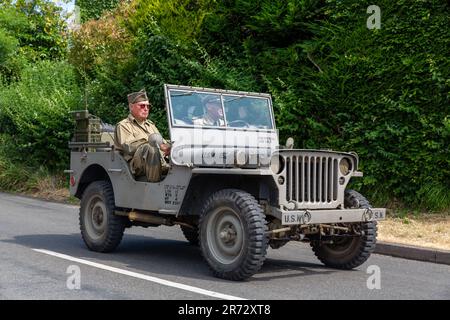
column 223, row 110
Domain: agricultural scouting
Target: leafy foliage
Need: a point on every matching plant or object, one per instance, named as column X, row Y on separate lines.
column 388, row 92
column 12, row 22
column 101, row 54
column 93, row 9
column 37, row 25
column 36, row 112
column 30, row 31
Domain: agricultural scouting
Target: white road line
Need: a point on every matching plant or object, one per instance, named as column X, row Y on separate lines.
column 141, row 276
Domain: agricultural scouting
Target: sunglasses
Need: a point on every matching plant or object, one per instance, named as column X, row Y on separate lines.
column 144, row 105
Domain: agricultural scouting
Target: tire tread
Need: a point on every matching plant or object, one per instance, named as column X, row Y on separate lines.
column 255, row 219
column 367, row 243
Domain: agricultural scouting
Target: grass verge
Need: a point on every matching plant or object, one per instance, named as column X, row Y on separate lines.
column 431, row 230
column 18, row 177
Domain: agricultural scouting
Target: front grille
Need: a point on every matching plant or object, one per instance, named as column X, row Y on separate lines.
column 312, row 179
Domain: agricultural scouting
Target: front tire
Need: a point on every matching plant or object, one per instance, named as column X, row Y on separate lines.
column 232, row 234
column 101, row 229
column 349, row 253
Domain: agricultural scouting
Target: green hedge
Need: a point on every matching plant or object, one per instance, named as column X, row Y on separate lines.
column 35, row 113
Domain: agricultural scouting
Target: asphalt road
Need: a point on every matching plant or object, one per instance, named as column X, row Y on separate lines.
column 40, row 242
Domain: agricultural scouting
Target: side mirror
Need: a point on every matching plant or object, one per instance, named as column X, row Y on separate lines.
column 290, row 143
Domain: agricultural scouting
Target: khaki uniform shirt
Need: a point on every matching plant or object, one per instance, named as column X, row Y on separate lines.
column 130, row 134
column 208, row 121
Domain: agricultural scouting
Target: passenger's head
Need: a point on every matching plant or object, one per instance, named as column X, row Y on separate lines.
column 139, row 105
column 213, row 107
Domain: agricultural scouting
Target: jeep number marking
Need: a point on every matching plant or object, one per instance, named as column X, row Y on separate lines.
column 171, row 194
column 303, row 217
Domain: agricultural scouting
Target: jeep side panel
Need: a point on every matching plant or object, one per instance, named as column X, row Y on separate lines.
column 129, row 193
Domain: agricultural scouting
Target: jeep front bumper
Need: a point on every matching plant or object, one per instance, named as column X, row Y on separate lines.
column 302, row 217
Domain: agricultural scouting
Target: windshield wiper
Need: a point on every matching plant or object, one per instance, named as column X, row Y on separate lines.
column 182, row 94
column 237, row 98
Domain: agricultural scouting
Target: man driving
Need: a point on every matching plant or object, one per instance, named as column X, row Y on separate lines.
column 213, row 115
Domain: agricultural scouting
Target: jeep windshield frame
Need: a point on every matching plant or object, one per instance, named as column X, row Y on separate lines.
column 234, row 110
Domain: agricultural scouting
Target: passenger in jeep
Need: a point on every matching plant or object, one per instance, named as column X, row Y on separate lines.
column 131, row 138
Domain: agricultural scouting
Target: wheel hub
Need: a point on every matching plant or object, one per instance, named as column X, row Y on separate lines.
column 225, row 235
column 95, row 217
column 228, row 234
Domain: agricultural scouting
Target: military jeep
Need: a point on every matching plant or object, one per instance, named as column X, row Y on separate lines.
column 231, row 188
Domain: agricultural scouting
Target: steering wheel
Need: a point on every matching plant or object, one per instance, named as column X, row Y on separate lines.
column 239, row 124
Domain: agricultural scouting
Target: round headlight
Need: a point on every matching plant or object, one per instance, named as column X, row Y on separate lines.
column 277, row 164
column 345, row 166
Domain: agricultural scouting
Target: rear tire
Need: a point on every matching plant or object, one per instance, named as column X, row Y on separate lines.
column 349, row 253
column 232, row 234
column 101, row 229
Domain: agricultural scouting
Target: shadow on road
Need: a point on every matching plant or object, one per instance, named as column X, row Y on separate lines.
column 279, row 269
column 160, row 257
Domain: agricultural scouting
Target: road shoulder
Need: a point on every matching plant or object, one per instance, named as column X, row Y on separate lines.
column 413, row 252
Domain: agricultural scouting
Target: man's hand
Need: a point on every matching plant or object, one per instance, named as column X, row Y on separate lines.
column 165, row 148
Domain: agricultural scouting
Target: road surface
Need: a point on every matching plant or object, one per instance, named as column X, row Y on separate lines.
column 43, row 257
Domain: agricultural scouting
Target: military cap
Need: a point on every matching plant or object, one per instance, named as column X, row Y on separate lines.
column 211, row 99
column 136, row 97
